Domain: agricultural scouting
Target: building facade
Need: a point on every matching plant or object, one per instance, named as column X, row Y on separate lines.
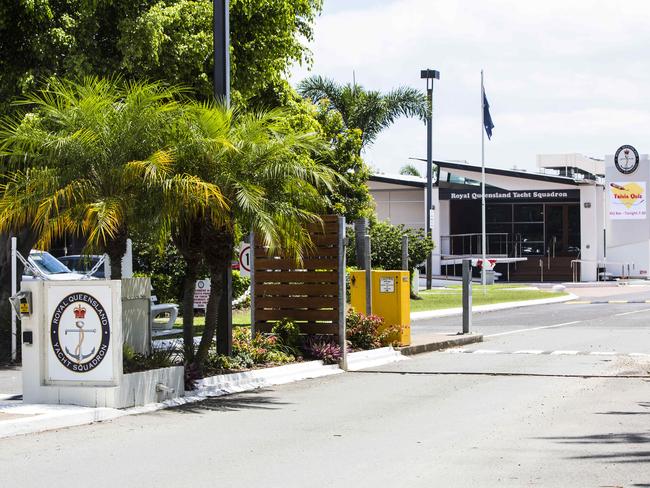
column 547, row 225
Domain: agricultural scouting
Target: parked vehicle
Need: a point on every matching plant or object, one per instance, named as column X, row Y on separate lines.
column 49, row 268
column 83, row 264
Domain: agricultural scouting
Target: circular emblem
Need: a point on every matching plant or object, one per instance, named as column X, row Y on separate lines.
column 80, row 332
column 626, row 159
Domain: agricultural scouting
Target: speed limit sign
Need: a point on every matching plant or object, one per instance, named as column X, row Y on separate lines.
column 245, row 260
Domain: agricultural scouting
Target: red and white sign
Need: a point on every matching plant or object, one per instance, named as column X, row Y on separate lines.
column 245, row 260
column 487, row 264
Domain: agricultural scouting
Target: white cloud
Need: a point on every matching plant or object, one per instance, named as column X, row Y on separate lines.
column 561, row 76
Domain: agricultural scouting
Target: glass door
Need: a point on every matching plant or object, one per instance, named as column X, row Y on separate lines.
column 562, row 229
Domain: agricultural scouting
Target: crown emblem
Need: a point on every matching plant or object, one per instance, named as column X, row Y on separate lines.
column 79, row 312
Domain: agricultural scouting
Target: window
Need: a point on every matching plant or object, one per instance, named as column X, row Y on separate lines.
column 529, row 213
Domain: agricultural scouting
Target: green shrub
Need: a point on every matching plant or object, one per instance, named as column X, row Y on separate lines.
column 133, row 362
column 288, row 333
column 239, row 284
column 386, row 246
column 363, row 332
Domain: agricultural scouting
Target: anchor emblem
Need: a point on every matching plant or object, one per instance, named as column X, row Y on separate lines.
column 79, row 313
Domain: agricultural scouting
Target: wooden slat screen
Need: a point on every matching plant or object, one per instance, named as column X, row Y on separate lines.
column 306, row 293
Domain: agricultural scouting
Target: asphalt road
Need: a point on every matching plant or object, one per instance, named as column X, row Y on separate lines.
column 557, row 396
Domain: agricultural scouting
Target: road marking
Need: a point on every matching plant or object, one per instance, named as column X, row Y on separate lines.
column 604, row 302
column 548, row 353
column 534, row 328
column 630, row 313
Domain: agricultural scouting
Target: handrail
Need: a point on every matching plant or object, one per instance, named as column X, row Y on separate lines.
column 604, row 263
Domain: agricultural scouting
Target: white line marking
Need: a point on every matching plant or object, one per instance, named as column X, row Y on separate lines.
column 533, row 328
column 603, row 353
column 564, row 353
column 630, row 313
column 486, row 351
column 639, row 354
column 529, row 351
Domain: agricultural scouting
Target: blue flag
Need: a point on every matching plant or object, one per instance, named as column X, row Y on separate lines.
column 487, row 118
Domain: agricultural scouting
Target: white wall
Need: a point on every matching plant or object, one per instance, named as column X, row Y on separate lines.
column 399, row 204
column 590, row 232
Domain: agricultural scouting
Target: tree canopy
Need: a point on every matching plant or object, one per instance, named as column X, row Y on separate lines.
column 368, row 110
column 168, row 40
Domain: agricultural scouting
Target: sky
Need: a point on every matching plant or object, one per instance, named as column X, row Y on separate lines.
column 561, row 76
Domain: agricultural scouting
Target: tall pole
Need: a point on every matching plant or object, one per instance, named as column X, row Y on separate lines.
column 14, row 285
column 222, row 50
column 222, row 93
column 483, row 235
column 429, row 75
column 429, row 177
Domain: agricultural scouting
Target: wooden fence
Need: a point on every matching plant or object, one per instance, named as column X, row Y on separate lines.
column 311, row 294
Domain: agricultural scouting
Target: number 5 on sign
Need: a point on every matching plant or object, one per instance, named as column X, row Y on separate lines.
column 245, row 260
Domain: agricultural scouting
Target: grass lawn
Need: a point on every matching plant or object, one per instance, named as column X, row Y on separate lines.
column 239, row 317
column 452, row 297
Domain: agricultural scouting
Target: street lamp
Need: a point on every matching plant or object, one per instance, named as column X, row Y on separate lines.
column 221, row 26
column 429, row 75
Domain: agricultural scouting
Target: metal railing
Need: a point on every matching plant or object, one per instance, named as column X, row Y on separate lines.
column 626, row 268
column 498, row 244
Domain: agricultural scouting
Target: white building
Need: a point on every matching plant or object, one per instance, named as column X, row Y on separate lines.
column 552, row 217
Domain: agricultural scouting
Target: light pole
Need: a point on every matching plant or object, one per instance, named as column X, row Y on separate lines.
column 429, row 75
column 221, row 23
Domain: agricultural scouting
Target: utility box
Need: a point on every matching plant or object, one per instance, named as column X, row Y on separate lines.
column 390, row 299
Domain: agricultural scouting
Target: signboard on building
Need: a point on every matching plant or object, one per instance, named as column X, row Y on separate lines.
column 627, row 200
column 81, row 334
column 201, row 294
column 518, row 195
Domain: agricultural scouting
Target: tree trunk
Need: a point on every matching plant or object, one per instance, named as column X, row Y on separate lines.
column 116, row 249
column 224, row 316
column 218, row 245
column 187, row 239
column 26, row 240
column 216, row 287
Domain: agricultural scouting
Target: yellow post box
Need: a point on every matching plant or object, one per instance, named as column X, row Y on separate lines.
column 390, row 299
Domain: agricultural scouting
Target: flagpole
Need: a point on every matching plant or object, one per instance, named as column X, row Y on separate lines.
column 483, row 235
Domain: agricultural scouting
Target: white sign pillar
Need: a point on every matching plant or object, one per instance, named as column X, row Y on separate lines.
column 627, row 177
column 72, row 342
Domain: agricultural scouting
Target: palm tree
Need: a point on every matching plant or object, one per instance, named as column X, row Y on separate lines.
column 97, row 152
column 266, row 172
column 370, row 111
column 409, row 170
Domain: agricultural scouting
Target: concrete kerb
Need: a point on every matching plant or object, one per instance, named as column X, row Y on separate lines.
column 460, row 340
column 450, row 312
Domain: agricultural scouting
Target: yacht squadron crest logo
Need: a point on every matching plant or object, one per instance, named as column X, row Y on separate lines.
column 80, row 332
